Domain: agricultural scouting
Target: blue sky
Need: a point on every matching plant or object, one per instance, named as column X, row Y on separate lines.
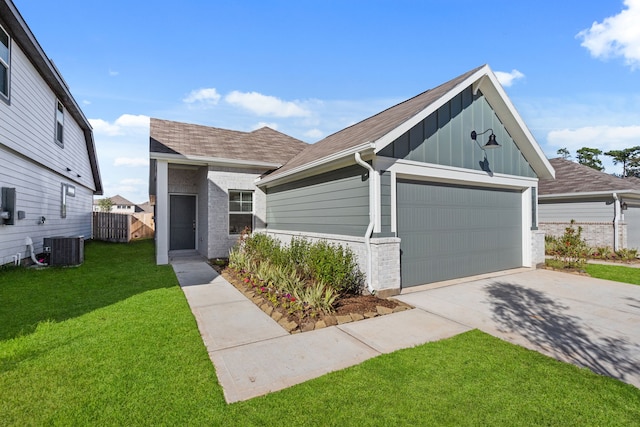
column 310, row 68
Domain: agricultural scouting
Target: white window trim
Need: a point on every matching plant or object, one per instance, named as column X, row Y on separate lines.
column 59, row 105
column 3, row 96
column 229, row 212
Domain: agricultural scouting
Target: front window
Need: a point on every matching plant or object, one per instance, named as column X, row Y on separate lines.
column 60, row 123
column 240, row 211
column 4, row 63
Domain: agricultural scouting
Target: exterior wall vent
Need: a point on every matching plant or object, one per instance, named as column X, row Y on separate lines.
column 64, row 250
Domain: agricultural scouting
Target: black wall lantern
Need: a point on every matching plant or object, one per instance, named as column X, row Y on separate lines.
column 492, row 143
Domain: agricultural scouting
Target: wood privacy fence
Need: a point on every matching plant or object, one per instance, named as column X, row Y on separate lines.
column 122, row 228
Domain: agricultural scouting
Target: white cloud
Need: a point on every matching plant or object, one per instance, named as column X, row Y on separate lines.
column 207, row 96
column 131, row 161
column 314, row 134
column 265, row 105
column 603, row 137
column 113, row 73
column 616, row 36
column 126, row 123
column 86, row 102
column 271, row 125
column 132, row 181
column 507, row 79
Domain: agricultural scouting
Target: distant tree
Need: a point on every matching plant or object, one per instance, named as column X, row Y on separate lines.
column 105, row 205
column 589, row 157
column 630, row 159
column 564, row 153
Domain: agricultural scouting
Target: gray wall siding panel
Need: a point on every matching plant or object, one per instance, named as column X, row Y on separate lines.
column 597, row 211
column 385, row 202
column 38, row 194
column 28, row 124
column 336, row 202
column 449, row 231
column 444, row 138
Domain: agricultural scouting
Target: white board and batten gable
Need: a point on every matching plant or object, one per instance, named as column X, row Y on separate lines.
column 48, row 161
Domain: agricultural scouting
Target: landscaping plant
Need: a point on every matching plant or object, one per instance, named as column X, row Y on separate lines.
column 570, row 249
column 313, row 274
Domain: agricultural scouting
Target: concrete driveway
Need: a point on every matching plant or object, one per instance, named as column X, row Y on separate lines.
column 588, row 322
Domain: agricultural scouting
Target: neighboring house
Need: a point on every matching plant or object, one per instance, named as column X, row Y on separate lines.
column 408, row 189
column 48, row 166
column 605, row 206
column 118, row 205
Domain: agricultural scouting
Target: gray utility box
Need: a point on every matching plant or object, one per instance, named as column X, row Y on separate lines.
column 64, row 250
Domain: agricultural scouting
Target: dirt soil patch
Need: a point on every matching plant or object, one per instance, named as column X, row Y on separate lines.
column 349, row 308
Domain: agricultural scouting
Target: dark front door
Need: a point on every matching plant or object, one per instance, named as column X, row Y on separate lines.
column 182, row 222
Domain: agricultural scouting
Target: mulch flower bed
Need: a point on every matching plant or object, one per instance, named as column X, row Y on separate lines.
column 349, row 308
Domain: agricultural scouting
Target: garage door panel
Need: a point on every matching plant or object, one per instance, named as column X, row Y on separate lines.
column 632, row 218
column 453, row 231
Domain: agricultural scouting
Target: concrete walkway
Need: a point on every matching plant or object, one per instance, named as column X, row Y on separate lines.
column 253, row 355
column 588, row 322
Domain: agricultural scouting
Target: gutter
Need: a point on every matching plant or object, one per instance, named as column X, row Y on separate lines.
column 634, row 193
column 316, row 163
column 616, row 221
column 372, row 221
column 203, row 160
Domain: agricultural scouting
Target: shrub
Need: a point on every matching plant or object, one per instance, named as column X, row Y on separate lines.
column 316, row 273
column 570, row 248
column 602, row 252
column 627, row 254
column 260, row 247
column 318, row 296
column 336, row 266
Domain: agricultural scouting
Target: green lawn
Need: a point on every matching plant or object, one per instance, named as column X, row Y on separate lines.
column 113, row 342
column 614, row 272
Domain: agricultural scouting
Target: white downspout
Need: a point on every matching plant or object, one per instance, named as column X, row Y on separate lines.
column 616, row 220
column 372, row 222
column 29, row 243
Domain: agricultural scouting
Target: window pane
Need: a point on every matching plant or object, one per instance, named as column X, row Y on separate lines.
column 234, row 206
column 4, row 46
column 234, row 196
column 4, row 80
column 247, row 197
column 237, row 223
column 59, row 131
column 247, row 207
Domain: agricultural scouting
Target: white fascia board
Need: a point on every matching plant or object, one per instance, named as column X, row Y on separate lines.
column 217, row 161
column 396, row 133
column 318, row 166
column 632, row 194
column 515, row 125
column 454, row 175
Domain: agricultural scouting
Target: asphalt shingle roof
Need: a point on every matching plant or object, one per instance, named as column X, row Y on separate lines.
column 372, row 128
column 115, row 200
column 573, row 177
column 264, row 144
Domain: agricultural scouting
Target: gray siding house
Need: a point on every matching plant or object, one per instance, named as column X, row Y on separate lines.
column 606, row 207
column 412, row 193
column 48, row 165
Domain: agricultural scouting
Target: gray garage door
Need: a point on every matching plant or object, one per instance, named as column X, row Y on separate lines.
column 452, row 231
column 632, row 218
